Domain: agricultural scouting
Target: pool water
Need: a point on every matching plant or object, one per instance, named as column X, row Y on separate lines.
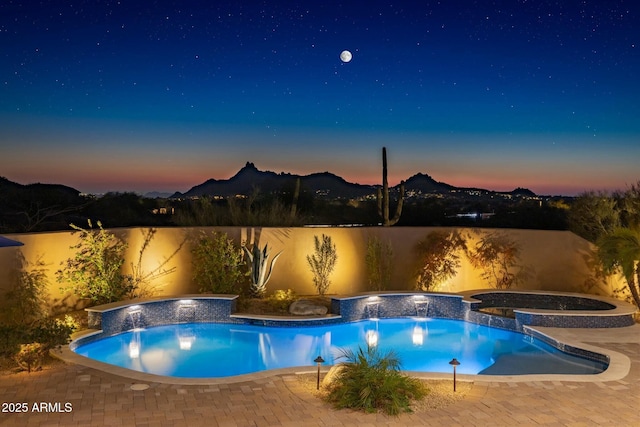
column 211, row 350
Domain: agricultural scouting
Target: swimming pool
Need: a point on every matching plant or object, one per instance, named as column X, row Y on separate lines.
column 216, row 350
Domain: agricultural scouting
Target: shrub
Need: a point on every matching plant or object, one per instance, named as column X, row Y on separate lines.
column 30, row 356
column 372, row 381
column 53, row 332
column 26, row 302
column 217, row 264
column 379, row 262
column 322, row 263
column 47, row 332
column 94, row 272
column 11, row 336
column 280, row 300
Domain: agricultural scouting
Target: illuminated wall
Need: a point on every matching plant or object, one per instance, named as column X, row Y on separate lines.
column 556, row 258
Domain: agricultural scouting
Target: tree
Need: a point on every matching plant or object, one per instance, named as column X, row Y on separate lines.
column 438, row 259
column 593, row 215
column 621, row 249
column 612, row 222
column 322, row 263
column 628, row 203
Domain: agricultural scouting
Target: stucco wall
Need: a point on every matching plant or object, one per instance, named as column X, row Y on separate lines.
column 556, row 259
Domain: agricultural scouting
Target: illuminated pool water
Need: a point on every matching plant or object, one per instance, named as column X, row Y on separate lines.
column 213, row 350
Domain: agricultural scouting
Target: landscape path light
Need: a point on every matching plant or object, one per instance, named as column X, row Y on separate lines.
column 454, row 362
column 318, row 360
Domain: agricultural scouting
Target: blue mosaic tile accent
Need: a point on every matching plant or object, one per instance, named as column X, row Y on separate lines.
column 569, row 349
column 397, row 305
column 162, row 312
column 587, row 321
column 292, row 323
column 363, row 307
column 492, row 321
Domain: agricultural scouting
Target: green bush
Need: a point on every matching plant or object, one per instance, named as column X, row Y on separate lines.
column 379, row 263
column 322, row 262
column 281, row 300
column 30, row 356
column 217, row 264
column 11, row 336
column 53, row 332
column 372, row 381
column 94, row 271
column 17, row 341
column 26, row 302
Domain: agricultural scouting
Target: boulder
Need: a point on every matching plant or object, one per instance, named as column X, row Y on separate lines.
column 331, row 376
column 305, row 307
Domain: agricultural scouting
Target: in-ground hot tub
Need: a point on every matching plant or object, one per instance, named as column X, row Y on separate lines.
column 515, row 309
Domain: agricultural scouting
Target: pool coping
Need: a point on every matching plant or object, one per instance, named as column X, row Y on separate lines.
column 290, row 318
column 129, row 303
column 619, row 364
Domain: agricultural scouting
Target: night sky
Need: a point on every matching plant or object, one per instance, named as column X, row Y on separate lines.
column 137, row 95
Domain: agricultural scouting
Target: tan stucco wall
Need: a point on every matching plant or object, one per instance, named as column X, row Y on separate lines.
column 556, row 258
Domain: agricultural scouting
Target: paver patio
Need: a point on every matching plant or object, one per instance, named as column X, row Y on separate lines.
column 100, row 398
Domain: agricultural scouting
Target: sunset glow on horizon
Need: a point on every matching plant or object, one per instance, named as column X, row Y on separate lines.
column 118, row 97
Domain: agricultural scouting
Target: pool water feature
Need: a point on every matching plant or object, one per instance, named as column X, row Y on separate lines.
column 215, row 350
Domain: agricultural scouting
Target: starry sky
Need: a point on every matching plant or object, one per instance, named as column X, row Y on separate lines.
column 135, row 95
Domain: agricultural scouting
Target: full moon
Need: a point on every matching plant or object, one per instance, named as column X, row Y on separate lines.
column 345, row 56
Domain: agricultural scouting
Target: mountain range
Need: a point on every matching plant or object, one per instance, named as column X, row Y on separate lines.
column 249, row 179
column 326, row 184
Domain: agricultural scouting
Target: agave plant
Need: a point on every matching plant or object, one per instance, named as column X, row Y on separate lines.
column 260, row 274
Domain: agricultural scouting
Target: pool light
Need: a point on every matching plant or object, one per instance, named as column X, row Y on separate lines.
column 372, row 338
column 417, row 336
column 186, row 342
column 134, row 347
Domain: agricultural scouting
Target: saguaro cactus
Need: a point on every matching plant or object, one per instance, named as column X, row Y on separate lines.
column 260, row 275
column 383, row 196
column 294, row 202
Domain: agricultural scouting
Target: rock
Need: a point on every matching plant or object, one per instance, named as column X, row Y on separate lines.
column 330, row 376
column 305, row 307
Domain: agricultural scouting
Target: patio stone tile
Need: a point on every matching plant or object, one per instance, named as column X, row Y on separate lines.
column 99, row 398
